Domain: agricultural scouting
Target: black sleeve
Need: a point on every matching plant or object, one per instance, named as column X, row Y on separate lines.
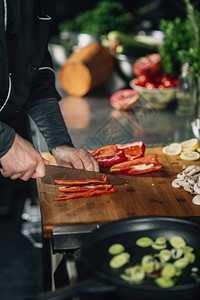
column 7, row 135
column 47, row 115
column 43, row 85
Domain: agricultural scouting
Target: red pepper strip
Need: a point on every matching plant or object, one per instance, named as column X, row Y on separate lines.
column 86, row 194
column 106, row 150
column 109, row 160
column 82, row 181
column 132, row 150
column 72, row 189
column 141, row 165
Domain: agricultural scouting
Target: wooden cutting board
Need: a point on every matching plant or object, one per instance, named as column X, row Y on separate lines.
column 147, row 194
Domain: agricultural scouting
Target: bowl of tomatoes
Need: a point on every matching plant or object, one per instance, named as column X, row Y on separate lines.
column 156, row 88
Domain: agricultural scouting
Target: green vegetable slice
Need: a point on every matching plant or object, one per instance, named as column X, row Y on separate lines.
column 190, row 256
column 187, row 249
column 168, row 271
column 116, row 249
column 135, row 274
column 165, row 255
column 119, row 260
column 164, row 282
column 148, row 263
column 176, row 253
column 158, row 246
column 144, row 242
column 160, row 241
column 177, row 242
column 182, row 263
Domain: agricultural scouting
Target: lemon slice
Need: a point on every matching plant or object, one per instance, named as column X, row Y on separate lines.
column 190, row 155
column 198, row 149
column 190, row 145
column 172, row 149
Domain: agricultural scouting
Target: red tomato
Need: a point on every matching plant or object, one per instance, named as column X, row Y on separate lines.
column 124, row 99
column 135, row 81
column 150, row 65
column 142, row 79
column 168, row 83
column 150, row 85
column 161, row 87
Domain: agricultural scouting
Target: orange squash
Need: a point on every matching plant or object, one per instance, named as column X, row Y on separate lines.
column 86, row 68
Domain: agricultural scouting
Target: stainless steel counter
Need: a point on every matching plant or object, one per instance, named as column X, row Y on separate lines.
column 92, row 122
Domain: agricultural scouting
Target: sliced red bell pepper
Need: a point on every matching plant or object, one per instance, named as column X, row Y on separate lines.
column 109, row 160
column 132, row 150
column 85, row 194
column 83, row 188
column 101, row 180
column 113, row 154
column 140, row 165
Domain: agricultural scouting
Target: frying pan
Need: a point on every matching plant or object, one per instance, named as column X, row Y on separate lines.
column 127, row 231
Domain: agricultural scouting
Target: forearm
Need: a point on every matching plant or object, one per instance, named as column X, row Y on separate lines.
column 7, row 135
column 47, row 116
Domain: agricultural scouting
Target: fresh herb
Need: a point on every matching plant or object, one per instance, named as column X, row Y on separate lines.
column 181, row 42
column 100, row 20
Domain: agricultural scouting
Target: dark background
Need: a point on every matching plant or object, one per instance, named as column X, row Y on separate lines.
column 167, row 9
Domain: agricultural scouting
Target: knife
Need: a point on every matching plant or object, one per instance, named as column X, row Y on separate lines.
column 63, row 173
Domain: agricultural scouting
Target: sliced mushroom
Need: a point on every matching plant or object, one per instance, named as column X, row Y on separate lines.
column 181, row 175
column 176, row 183
column 194, row 171
column 188, row 169
column 196, row 200
column 190, row 180
column 197, row 188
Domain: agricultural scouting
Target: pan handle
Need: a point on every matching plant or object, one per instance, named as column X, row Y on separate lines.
column 85, row 287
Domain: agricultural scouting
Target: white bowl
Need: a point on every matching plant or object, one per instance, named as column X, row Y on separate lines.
column 155, row 98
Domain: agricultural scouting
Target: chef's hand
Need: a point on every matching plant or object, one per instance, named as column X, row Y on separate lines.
column 75, row 158
column 22, row 161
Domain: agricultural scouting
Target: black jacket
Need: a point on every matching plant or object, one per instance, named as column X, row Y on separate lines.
column 27, row 79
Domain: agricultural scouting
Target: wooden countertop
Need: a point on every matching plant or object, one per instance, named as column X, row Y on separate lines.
column 147, row 194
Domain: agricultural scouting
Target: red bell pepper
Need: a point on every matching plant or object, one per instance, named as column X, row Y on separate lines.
column 109, row 160
column 137, row 166
column 113, row 154
column 132, row 150
column 83, row 188
column 85, row 194
column 101, row 180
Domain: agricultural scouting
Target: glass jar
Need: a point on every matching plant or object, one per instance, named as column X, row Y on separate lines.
column 186, row 93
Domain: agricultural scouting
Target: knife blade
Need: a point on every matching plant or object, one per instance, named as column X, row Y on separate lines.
column 63, row 173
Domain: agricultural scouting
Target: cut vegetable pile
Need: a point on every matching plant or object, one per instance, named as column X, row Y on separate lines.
column 188, row 150
column 127, row 159
column 164, row 263
column 189, row 180
column 83, row 188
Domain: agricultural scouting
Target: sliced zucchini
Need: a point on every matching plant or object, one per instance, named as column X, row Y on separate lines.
column 160, row 240
column 168, row 271
column 165, row 255
column 164, row 282
column 182, row 263
column 116, row 249
column 144, row 242
column 190, row 256
column 135, row 273
column 148, row 263
column 119, row 260
column 159, row 246
column 176, row 253
column 177, row 242
column 187, row 249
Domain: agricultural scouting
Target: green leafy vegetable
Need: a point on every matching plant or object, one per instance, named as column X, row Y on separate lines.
column 100, row 20
column 181, row 42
